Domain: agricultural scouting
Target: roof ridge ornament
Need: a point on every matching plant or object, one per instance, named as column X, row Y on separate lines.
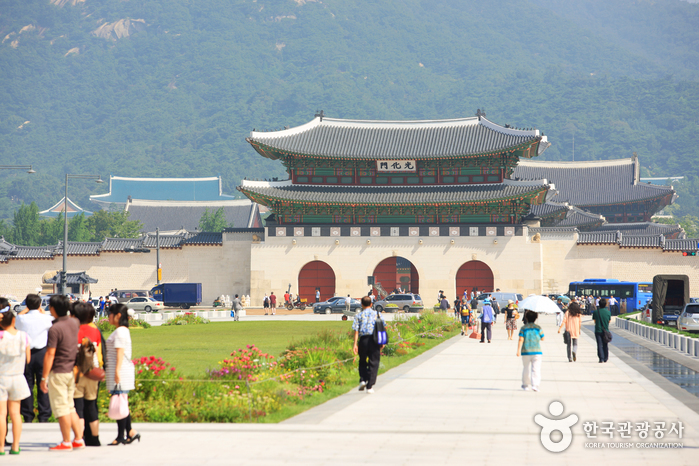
column 320, row 114
column 480, row 113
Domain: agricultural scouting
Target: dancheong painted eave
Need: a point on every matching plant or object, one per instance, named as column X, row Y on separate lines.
column 267, row 193
column 375, row 139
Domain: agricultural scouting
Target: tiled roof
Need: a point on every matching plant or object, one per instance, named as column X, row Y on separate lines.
column 370, row 139
column 34, row 252
column 166, row 241
column 170, row 216
column 547, row 208
column 204, row 238
column 592, row 183
column 593, row 237
column 578, row 218
column 162, row 189
column 645, row 241
column 73, row 210
column 120, row 244
column 681, row 244
column 77, row 278
column 79, row 248
column 643, row 228
column 377, row 195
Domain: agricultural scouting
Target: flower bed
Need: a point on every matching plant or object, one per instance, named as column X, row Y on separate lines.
column 188, row 318
column 251, row 385
column 106, row 328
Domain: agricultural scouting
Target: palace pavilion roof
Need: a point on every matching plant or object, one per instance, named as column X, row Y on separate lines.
column 593, row 183
column 372, row 139
column 267, row 192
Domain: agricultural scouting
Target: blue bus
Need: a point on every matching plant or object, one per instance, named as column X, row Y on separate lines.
column 636, row 294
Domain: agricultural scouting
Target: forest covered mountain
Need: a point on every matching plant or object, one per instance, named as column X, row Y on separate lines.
column 172, row 87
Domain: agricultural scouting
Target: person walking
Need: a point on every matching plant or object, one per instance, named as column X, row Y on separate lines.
column 496, row 309
column 444, row 304
column 120, row 370
column 511, row 319
column 601, row 317
column 613, row 306
column 465, row 317
column 486, row 320
column 265, row 304
column 571, row 322
column 348, row 305
column 287, row 298
column 317, row 295
column 591, row 304
column 457, row 308
column 14, row 354
column 529, row 346
column 273, row 303
column 559, row 312
column 36, row 324
column 57, row 378
column 102, row 304
column 364, row 345
column 86, row 388
column 236, row 307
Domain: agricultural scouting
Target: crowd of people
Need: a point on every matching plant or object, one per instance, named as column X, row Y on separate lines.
column 64, row 354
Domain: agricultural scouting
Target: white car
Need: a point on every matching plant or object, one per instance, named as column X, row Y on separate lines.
column 144, row 304
column 689, row 319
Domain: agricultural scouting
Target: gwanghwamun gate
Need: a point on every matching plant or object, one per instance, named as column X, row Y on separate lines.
column 429, row 205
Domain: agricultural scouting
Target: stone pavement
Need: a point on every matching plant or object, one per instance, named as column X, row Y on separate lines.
column 458, row 403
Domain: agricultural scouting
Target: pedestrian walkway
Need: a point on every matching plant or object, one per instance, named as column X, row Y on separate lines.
column 459, row 403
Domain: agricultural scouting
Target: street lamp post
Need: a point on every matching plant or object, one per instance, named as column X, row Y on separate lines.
column 29, row 168
column 64, row 272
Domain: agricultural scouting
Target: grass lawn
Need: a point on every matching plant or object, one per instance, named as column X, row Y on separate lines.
column 193, row 349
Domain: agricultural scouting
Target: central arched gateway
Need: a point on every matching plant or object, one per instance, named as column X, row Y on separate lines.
column 316, row 274
column 395, row 272
column 474, row 276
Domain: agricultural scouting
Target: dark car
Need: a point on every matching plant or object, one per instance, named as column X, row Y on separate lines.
column 325, row 307
column 338, row 306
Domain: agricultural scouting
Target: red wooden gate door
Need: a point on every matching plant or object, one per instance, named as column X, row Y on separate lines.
column 474, row 275
column 316, row 274
column 397, row 271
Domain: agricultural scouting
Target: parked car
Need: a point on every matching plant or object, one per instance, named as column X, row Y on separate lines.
column 325, row 307
column 405, row 302
column 15, row 305
column 144, row 304
column 125, row 295
column 338, row 306
column 689, row 319
column 501, row 297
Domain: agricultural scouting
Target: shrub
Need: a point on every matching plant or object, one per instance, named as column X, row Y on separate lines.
column 106, row 328
column 188, row 318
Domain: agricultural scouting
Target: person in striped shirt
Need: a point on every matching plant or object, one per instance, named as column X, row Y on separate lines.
column 529, row 345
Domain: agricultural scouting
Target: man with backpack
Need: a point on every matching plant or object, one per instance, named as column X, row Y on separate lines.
column 365, row 346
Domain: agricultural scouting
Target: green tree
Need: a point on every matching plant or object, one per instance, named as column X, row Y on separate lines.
column 213, row 221
column 51, row 230
column 78, row 229
column 105, row 224
column 27, row 228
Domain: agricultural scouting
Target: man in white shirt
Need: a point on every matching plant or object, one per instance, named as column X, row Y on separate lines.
column 36, row 324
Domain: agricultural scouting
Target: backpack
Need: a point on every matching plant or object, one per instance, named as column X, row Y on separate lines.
column 86, row 357
column 380, row 334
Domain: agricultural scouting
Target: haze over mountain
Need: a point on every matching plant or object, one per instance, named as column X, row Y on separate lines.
column 172, row 88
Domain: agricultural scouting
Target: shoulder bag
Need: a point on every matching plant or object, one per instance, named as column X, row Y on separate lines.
column 566, row 337
column 380, row 334
column 607, row 336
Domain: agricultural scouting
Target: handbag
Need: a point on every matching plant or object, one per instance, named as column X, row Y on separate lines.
column 118, row 405
column 96, row 373
column 380, row 334
column 566, row 337
column 607, row 336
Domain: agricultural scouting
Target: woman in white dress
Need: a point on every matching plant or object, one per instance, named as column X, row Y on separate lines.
column 14, row 353
column 120, row 369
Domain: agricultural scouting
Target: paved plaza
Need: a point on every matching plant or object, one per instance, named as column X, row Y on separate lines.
column 459, row 403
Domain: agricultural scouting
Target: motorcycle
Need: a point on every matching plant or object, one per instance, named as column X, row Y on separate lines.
column 296, row 305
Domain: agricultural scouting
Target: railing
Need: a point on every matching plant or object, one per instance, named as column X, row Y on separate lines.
column 683, row 344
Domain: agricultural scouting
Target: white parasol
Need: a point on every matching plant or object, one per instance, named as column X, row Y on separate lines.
column 539, row 304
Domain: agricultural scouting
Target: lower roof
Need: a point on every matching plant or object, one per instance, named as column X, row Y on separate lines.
column 265, row 193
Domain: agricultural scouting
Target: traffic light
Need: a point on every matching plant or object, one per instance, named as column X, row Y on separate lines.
column 689, row 253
